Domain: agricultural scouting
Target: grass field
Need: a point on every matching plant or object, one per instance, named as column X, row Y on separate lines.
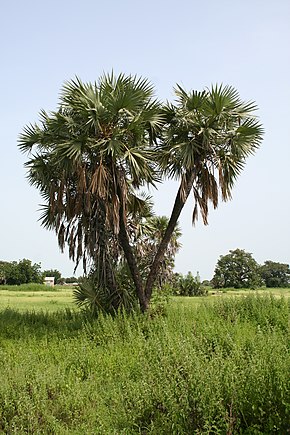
column 215, row 365
column 38, row 297
column 36, row 300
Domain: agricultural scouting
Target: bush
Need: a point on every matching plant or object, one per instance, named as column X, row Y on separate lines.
column 189, row 285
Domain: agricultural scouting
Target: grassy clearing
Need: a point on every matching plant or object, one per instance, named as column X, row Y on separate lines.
column 36, row 297
column 220, row 369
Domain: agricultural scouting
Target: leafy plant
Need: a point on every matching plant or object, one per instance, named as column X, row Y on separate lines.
column 275, row 274
column 189, row 285
column 238, row 269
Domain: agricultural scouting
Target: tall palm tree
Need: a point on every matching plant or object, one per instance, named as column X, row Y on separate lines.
column 205, row 142
column 108, row 139
column 87, row 158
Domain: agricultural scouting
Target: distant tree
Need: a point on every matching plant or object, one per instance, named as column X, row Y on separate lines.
column 275, row 274
column 53, row 272
column 189, row 285
column 5, row 267
column 23, row 272
column 71, row 279
column 237, row 269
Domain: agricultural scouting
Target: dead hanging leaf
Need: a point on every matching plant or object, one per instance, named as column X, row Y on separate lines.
column 115, row 213
column 183, row 188
column 99, row 181
column 81, row 174
column 195, row 214
column 202, row 204
column 61, row 237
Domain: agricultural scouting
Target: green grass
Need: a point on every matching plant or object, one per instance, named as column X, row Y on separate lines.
column 29, row 287
column 40, row 297
column 36, row 299
column 218, row 366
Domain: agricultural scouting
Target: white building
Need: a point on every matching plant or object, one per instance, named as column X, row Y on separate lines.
column 49, row 280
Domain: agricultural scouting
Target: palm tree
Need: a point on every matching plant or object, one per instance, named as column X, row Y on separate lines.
column 205, row 142
column 87, row 159
column 107, row 140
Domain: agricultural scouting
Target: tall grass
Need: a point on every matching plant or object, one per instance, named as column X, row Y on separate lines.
column 31, row 287
column 220, row 368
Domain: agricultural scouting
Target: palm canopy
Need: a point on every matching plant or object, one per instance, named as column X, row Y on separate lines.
column 90, row 154
column 207, row 136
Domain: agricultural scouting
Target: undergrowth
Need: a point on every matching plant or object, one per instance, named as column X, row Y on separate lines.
column 29, row 287
column 218, row 368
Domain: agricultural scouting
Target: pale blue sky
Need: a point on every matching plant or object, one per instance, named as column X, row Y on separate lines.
column 243, row 43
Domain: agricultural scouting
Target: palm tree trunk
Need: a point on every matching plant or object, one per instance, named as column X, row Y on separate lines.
column 124, row 241
column 130, row 257
column 181, row 197
column 105, row 271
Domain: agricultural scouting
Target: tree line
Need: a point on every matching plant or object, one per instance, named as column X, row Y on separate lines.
column 238, row 269
column 25, row 272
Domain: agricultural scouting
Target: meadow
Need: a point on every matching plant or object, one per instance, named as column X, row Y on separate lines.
column 215, row 365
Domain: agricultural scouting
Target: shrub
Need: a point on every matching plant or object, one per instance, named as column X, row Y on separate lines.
column 189, row 285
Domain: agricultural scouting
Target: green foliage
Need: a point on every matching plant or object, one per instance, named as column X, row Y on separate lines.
column 189, row 285
column 149, row 231
column 71, row 280
column 95, row 298
column 221, row 369
column 22, row 272
column 275, row 274
column 238, row 269
column 31, row 287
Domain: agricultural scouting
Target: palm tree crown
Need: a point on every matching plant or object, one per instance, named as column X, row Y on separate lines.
column 208, row 136
column 92, row 153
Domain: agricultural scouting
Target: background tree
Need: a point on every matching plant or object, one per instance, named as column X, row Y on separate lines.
column 72, row 279
column 22, row 272
column 5, row 267
column 238, row 269
column 275, row 274
column 190, row 285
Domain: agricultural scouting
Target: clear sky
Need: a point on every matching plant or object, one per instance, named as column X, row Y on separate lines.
column 243, row 43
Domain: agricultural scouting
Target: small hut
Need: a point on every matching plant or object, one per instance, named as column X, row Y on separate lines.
column 49, row 280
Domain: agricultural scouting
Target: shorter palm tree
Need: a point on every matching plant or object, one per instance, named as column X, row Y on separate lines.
column 205, row 142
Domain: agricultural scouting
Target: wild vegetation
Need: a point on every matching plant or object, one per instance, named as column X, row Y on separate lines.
column 20, row 272
column 239, row 269
column 108, row 140
column 220, row 368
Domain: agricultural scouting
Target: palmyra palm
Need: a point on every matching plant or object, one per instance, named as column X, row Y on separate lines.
column 108, row 139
